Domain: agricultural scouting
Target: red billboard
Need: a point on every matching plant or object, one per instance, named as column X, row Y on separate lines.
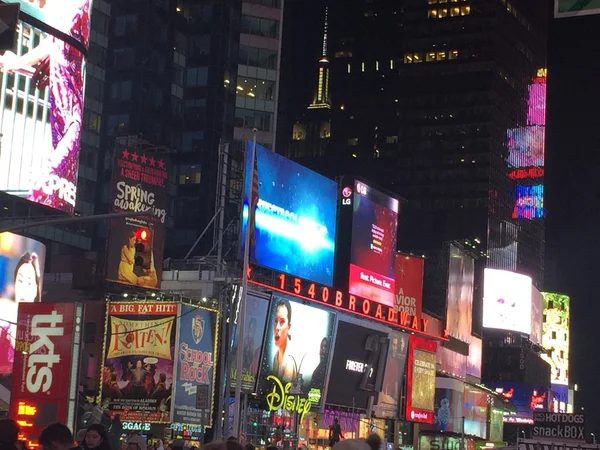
column 408, row 295
column 420, row 381
column 44, row 370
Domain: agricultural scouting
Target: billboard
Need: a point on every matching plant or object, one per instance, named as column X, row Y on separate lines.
column 254, row 331
column 573, row 8
column 537, row 312
column 22, row 263
column 196, row 361
column 137, row 375
column 461, row 280
column 475, row 357
column 526, row 398
column 393, row 377
column 42, row 100
column 555, row 336
column 134, row 252
column 373, row 244
column 566, row 427
column 357, row 366
column 45, row 375
column 475, row 411
column 448, row 409
column 294, row 217
column 408, row 275
column 529, row 202
column 296, row 353
column 451, row 362
column 420, row 381
column 507, row 301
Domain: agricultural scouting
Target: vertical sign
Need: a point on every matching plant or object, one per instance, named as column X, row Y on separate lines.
column 45, row 367
column 137, row 377
column 420, row 384
column 135, row 244
column 196, row 362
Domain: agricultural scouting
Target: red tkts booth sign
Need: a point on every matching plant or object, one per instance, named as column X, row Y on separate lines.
column 44, row 371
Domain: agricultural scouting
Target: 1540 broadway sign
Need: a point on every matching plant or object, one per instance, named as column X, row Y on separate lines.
column 557, row 426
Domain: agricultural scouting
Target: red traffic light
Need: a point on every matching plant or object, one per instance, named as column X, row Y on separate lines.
column 142, row 234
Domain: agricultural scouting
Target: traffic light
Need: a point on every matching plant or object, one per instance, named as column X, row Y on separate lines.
column 143, row 248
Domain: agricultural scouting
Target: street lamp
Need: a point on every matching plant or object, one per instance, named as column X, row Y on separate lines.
column 593, row 438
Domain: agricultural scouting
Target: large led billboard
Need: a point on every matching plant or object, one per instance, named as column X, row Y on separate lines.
column 45, row 376
column 555, row 336
column 507, row 301
column 294, row 224
column 373, row 243
column 139, row 360
column 420, row 379
column 526, row 398
column 296, row 353
column 393, row 377
column 41, row 99
column 357, row 366
column 134, row 249
column 461, row 281
column 529, row 202
column 537, row 313
column 22, row 263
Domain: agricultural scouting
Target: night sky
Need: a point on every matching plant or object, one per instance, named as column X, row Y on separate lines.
column 572, row 169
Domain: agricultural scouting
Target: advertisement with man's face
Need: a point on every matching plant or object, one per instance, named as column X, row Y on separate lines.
column 393, row 377
column 21, row 275
column 42, row 97
column 420, row 382
column 296, row 351
column 461, row 281
column 137, row 376
column 196, row 362
column 135, row 244
column 358, row 365
column 254, row 327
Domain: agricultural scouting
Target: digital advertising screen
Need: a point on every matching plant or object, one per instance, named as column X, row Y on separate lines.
column 529, row 202
column 254, row 331
column 42, row 100
column 507, row 301
column 420, row 381
column 45, row 380
column 139, row 360
column 297, row 350
column 555, row 336
column 393, row 377
column 526, row 146
column 451, row 362
column 408, row 297
column 295, row 211
column 196, row 363
column 135, row 244
column 22, row 262
column 525, row 397
column 373, row 244
column 475, row 357
column 475, row 411
column 448, row 408
column 537, row 313
column 357, row 366
column 461, row 281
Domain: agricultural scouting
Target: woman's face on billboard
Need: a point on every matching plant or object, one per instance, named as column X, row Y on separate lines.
column 26, row 288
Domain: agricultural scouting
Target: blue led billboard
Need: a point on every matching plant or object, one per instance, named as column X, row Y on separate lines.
column 529, row 202
column 526, row 398
column 295, row 217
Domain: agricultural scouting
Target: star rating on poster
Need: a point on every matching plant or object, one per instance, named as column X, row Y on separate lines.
column 143, row 159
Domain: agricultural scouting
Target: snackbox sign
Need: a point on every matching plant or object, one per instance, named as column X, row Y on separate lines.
column 559, row 426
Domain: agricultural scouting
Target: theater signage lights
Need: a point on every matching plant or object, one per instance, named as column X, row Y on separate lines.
column 342, row 300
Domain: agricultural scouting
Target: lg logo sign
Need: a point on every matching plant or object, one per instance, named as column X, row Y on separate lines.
column 346, row 196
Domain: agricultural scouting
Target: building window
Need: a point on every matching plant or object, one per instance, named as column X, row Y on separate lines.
column 260, row 27
column 247, row 118
column 353, row 142
column 189, row 174
column 453, row 54
column 554, row 335
column 391, row 139
column 343, row 54
column 465, row 10
column 410, row 58
column 455, row 12
column 431, row 56
column 432, row 14
column 121, row 90
column 255, row 57
column 197, row 76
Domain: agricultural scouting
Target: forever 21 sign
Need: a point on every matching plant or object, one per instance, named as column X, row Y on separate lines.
column 559, row 427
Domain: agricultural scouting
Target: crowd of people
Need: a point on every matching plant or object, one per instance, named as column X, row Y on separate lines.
column 59, row 437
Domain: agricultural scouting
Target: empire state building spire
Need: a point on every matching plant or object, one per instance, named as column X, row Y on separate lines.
column 321, row 99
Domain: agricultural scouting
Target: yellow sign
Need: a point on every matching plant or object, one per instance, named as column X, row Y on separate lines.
column 280, row 398
column 140, row 337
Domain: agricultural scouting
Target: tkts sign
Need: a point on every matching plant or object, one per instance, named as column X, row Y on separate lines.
column 341, row 299
column 45, row 372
